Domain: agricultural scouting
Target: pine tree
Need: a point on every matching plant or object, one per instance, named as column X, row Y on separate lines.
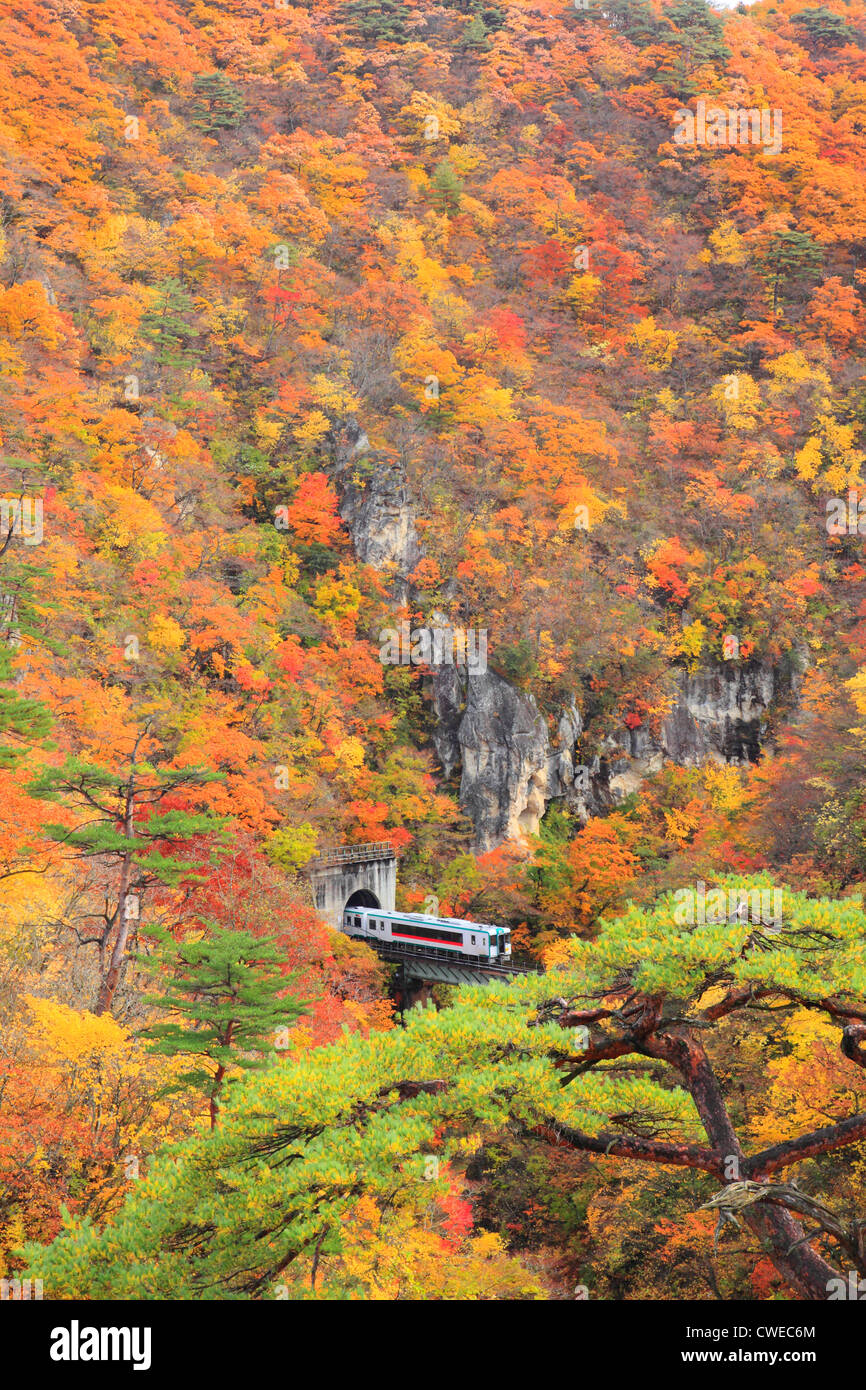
column 787, row 258
column 633, row 18
column 619, row 1051
column 23, row 721
column 166, row 328
column 695, row 40
column 125, row 826
column 475, row 34
column 447, row 186
column 230, row 989
column 220, row 105
column 376, row 21
column 825, row 29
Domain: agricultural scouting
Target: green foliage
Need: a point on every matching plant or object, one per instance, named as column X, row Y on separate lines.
column 491, row 16
column 786, row 261
column 376, row 21
column 475, row 34
column 825, row 29
column 548, row 871
column 635, row 19
column 229, row 987
column 23, row 721
column 516, row 661
column 226, row 1216
column 460, row 877
column 220, row 105
column 114, row 832
column 166, row 327
column 447, row 185
column 696, row 37
column 292, row 847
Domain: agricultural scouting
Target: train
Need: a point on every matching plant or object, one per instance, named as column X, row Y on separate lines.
column 440, row 936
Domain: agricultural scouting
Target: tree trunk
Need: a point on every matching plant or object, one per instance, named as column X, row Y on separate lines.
column 802, row 1268
column 111, row 978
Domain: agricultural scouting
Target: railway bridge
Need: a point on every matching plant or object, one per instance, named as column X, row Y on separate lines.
column 366, row 876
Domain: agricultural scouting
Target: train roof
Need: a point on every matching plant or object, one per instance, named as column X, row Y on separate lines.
column 428, row 920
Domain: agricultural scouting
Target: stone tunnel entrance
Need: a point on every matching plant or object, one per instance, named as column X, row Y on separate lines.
column 353, row 876
column 362, row 898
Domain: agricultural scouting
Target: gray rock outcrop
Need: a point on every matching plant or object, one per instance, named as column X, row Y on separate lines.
column 512, row 766
column 375, row 505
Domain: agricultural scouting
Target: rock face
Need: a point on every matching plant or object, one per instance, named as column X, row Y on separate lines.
column 501, row 741
column 511, row 768
column 717, row 716
column 719, row 713
column 497, row 736
column 511, row 765
column 374, row 503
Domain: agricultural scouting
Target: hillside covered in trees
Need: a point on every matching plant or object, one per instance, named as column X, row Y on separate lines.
column 324, row 326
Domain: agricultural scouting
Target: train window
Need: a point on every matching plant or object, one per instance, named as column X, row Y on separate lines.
column 473, row 940
column 410, row 931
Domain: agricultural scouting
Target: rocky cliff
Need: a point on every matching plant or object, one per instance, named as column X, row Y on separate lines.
column 375, row 505
column 512, row 766
column 512, row 763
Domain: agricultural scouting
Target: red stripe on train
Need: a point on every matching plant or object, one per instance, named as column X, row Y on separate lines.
column 428, row 941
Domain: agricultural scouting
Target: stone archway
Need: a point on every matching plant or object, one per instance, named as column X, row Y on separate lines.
column 362, row 897
column 360, row 875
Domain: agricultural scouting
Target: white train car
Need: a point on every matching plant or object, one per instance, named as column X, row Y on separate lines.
column 445, row 936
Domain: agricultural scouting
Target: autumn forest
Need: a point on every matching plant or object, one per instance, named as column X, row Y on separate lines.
column 433, row 430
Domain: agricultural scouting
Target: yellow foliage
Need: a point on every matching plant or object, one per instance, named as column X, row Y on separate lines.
column 425, row 368
column 26, row 901
column 738, row 399
column 690, row 643
column 811, row 1085
column 314, row 428
column 466, row 159
column 337, row 598
column 727, row 245
column 164, row 634
column 426, row 119
column 129, row 522
column 397, row 1255
column 655, row 345
column 725, row 786
column 793, row 369
column 857, row 687
column 681, row 823
column 829, row 459
column 64, row 1035
column 335, row 396
column 583, row 290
